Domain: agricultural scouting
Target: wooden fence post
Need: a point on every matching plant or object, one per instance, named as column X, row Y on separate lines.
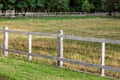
column 5, row 41
column 103, row 58
column 29, row 47
column 60, row 49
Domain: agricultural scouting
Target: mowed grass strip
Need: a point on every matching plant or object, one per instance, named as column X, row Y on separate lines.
column 15, row 69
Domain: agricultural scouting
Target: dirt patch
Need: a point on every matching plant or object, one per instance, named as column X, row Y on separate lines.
column 2, row 78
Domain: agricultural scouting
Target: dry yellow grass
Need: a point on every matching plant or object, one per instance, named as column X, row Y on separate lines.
column 77, row 50
column 91, row 27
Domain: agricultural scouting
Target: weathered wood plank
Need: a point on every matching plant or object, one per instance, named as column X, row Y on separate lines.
column 90, row 65
column 90, row 39
column 31, row 54
column 65, row 36
column 30, row 33
column 117, row 69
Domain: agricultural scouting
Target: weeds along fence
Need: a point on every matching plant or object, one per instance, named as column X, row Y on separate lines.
column 60, row 58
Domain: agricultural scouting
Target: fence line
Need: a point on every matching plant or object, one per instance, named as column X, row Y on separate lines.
column 53, row 14
column 41, row 14
column 60, row 59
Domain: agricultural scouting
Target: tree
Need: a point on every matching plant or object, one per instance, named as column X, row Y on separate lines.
column 98, row 4
column 111, row 6
column 86, row 6
column 118, row 6
column 1, row 6
column 76, row 5
column 47, row 5
column 56, row 5
column 8, row 4
column 40, row 5
column 31, row 4
column 59, row 5
column 21, row 6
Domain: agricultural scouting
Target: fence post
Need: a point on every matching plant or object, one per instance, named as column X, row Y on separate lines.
column 103, row 58
column 29, row 47
column 60, row 48
column 5, row 41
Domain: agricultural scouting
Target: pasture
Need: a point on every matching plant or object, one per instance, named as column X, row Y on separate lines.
column 95, row 27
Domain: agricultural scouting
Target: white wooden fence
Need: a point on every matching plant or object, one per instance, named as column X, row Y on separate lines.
column 53, row 14
column 41, row 14
column 60, row 59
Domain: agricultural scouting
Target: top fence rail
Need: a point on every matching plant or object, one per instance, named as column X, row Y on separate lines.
column 65, row 36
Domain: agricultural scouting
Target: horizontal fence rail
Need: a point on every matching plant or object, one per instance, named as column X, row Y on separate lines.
column 66, row 60
column 64, row 36
column 60, row 58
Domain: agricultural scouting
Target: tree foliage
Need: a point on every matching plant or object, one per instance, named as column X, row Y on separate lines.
column 76, row 5
column 1, row 5
column 40, row 5
column 87, row 7
column 61, row 5
column 112, row 6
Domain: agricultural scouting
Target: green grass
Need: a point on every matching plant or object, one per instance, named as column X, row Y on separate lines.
column 50, row 18
column 86, row 26
column 15, row 69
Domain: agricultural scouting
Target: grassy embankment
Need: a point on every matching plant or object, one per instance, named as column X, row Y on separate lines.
column 15, row 69
column 78, row 26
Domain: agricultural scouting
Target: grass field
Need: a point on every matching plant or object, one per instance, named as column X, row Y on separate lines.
column 97, row 27
column 78, row 26
column 15, row 69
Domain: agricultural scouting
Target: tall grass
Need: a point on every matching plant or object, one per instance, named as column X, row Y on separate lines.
column 77, row 50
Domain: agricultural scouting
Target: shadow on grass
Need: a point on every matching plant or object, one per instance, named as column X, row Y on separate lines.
column 4, row 77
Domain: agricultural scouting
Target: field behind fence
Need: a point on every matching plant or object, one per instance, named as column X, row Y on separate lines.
column 66, row 51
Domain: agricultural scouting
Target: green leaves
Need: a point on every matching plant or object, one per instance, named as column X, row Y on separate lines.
column 59, row 5
column 1, row 5
column 87, row 6
column 22, row 4
column 11, row 1
column 31, row 3
column 40, row 4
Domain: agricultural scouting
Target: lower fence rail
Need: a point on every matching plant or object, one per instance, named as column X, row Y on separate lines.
column 66, row 60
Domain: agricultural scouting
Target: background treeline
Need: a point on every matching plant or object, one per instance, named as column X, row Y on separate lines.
column 61, row 5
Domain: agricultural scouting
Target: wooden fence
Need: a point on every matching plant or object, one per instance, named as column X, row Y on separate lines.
column 60, row 59
column 41, row 14
column 53, row 14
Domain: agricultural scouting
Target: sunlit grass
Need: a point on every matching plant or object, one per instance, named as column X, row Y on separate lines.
column 15, row 69
column 108, row 28
column 90, row 27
